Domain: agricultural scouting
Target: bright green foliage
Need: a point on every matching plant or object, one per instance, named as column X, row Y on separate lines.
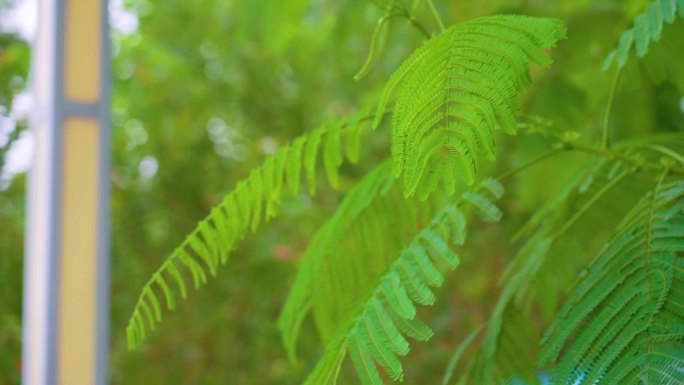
column 623, row 320
column 387, row 313
column 388, row 243
column 253, row 199
column 354, row 259
column 539, row 271
column 501, row 320
column 648, row 26
column 535, row 256
column 375, row 184
column 455, row 91
column 510, row 365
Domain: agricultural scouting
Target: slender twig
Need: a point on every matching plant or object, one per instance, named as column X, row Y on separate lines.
column 663, row 150
column 418, row 26
column 529, row 163
column 436, row 15
column 609, row 110
column 404, row 12
column 636, row 163
column 408, row 16
column 609, row 154
column 590, row 203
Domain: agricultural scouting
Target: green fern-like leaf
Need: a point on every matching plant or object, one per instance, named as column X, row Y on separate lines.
column 512, row 362
column 501, row 356
column 456, row 90
column 299, row 301
column 347, row 271
column 254, row 199
column 648, row 26
column 517, row 278
column 537, row 277
column 624, row 320
column 386, row 314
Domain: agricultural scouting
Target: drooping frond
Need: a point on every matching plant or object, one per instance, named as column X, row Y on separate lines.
column 540, row 272
column 518, row 344
column 374, row 184
column 648, row 27
column 624, row 320
column 513, row 361
column 521, row 273
column 536, row 269
column 254, row 199
column 578, row 221
column 380, row 321
column 359, row 252
column 456, row 90
column 509, row 335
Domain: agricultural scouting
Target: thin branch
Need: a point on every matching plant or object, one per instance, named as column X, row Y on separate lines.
column 418, row 26
column 605, row 143
column 663, row 150
column 436, row 15
column 635, row 162
column 408, row 16
column 529, row 163
column 590, row 203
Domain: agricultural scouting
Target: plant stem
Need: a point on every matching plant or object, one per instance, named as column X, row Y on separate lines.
column 590, row 203
column 436, row 15
column 664, row 150
column 609, row 110
column 529, row 163
column 418, row 26
column 637, row 163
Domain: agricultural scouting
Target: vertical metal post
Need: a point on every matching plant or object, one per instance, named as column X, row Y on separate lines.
column 66, row 265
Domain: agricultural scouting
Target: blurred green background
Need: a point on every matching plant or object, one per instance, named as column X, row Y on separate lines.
column 203, row 89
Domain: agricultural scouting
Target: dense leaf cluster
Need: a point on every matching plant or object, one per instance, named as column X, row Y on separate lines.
column 611, row 315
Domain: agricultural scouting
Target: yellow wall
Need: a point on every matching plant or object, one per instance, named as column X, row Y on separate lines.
column 76, row 341
column 78, row 268
column 82, row 50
